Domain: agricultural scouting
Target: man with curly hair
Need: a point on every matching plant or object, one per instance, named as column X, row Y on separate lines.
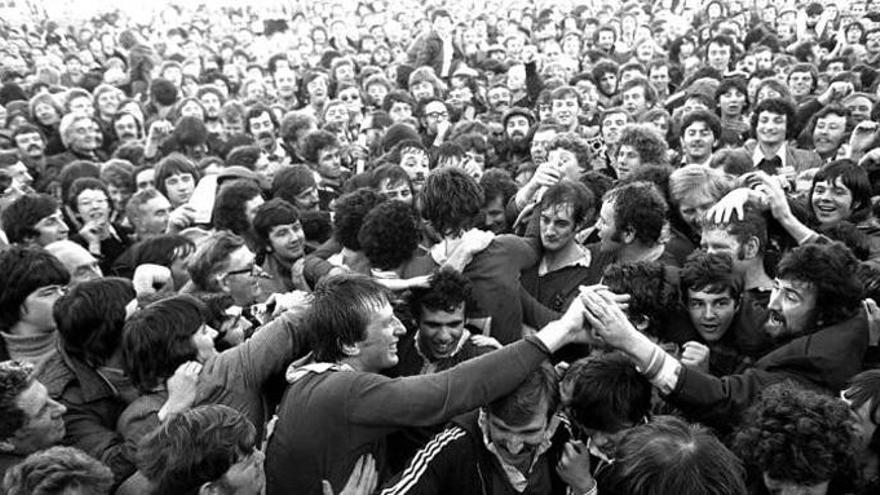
column 863, row 398
column 59, row 470
column 814, row 317
column 630, row 225
column 389, row 237
column 30, row 420
column 451, row 205
column 798, row 441
column 640, row 144
column 443, row 338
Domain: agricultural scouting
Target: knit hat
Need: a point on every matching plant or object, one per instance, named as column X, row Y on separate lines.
column 396, row 134
column 525, row 112
column 11, row 92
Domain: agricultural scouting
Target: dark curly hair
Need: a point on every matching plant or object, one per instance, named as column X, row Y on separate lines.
column 448, row 290
column 832, row 270
column 572, row 142
column 15, row 378
column 710, row 272
column 647, row 142
column 654, row 291
column 228, row 213
column 797, row 435
column 497, row 183
column 451, row 200
column 350, row 211
column 314, row 142
column 639, row 207
column 389, row 235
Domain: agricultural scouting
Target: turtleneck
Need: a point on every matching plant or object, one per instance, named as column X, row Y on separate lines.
column 30, row 348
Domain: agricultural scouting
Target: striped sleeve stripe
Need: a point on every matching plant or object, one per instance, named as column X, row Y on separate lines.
column 420, row 462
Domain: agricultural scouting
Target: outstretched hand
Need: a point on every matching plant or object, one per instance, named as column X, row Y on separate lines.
column 362, row 481
column 606, row 317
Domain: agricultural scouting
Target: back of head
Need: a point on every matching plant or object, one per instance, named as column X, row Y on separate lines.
column 389, row 235
column 653, row 287
column 158, row 338
column 194, row 448
column 90, row 318
column 607, row 393
column 641, row 208
column 451, row 200
column 669, row 456
column 58, row 470
column 798, row 436
column 351, row 208
column 229, row 207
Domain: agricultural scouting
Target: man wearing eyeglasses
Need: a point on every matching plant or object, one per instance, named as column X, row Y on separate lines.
column 223, row 263
column 434, row 118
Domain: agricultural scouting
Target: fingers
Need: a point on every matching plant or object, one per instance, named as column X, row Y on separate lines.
column 326, row 488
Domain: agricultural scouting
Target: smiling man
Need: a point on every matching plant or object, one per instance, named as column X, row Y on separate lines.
column 509, row 446
column 814, row 317
column 341, row 407
column 700, row 132
column 443, row 339
column 281, row 241
column 773, row 123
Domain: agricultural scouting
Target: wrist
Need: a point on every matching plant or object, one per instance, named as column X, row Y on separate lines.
column 554, row 335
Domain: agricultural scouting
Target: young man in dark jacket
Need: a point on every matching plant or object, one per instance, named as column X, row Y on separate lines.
column 339, row 408
column 814, row 316
column 512, row 446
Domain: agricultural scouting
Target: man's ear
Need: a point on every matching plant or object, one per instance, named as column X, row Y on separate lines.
column 628, row 235
column 210, row 488
column 351, row 350
column 751, row 248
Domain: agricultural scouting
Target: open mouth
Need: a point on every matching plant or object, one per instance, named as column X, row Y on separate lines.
column 824, row 209
column 775, row 319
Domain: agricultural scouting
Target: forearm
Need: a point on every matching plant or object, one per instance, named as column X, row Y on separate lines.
column 433, row 399
column 796, row 229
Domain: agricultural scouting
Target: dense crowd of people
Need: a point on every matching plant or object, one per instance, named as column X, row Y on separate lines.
column 423, row 247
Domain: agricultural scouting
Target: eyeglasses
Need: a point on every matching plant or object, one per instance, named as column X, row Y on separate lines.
column 437, row 115
column 253, row 270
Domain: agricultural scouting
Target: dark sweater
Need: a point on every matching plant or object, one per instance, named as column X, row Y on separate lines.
column 328, row 420
column 457, row 461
